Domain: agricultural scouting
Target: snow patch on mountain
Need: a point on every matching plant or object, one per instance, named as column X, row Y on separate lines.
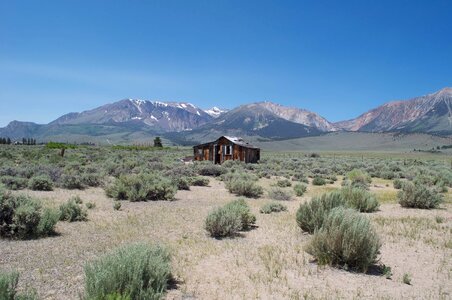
column 215, row 111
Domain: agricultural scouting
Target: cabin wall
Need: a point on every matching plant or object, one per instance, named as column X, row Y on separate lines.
column 216, row 151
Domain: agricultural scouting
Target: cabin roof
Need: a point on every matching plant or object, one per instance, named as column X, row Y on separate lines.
column 236, row 140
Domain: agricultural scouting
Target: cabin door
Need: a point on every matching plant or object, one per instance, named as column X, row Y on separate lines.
column 216, row 154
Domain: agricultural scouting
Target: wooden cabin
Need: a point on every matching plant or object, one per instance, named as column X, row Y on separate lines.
column 227, row 148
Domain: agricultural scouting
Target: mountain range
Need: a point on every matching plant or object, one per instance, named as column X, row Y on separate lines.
column 134, row 120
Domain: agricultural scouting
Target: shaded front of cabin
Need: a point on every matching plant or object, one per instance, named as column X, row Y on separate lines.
column 227, row 148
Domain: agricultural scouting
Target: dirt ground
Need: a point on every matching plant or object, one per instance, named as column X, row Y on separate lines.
column 267, row 262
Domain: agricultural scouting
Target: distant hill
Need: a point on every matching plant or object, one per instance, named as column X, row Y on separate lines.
column 360, row 141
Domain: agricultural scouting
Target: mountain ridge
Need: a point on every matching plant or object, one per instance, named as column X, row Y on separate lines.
column 185, row 122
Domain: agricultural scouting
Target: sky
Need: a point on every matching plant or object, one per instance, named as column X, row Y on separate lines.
column 336, row 58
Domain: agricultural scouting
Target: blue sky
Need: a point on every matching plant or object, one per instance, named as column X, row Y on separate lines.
column 337, row 58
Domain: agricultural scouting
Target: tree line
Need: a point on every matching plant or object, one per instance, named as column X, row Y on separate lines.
column 25, row 141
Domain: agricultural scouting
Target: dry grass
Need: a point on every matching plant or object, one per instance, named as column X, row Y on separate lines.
column 267, row 262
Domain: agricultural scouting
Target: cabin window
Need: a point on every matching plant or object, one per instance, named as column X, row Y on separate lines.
column 228, row 150
column 200, row 151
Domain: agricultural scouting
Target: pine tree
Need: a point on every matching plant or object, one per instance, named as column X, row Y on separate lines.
column 158, row 142
column 8, row 141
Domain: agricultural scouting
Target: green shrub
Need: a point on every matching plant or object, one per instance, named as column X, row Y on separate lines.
column 210, row 169
column 223, row 222
column 142, row 187
column 418, row 196
column 91, row 179
column 279, row 194
column 347, row 239
column 406, row 279
column 23, row 217
column 318, row 181
column 72, row 182
column 198, row 181
column 243, row 184
column 360, row 199
column 283, row 183
column 300, row 177
column 14, row 183
column 300, row 189
column 8, row 285
column 359, row 178
column 272, row 207
column 77, row 199
column 40, row 183
column 136, row 271
column 310, row 215
column 397, row 184
column 90, row 205
column 241, row 208
column 49, row 219
column 72, row 211
column 116, row 205
column 182, row 183
column 8, row 288
column 229, row 219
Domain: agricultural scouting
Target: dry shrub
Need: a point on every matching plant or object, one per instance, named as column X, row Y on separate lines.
column 346, row 239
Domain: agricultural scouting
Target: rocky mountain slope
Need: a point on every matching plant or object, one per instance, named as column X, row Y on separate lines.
column 431, row 113
column 165, row 116
column 262, row 119
column 183, row 122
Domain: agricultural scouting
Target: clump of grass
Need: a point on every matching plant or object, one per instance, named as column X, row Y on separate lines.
column 241, row 208
column 198, row 181
column 439, row 219
column 182, row 183
column 72, row 211
column 90, row 205
column 283, row 183
column 279, row 194
column 360, row 199
column 406, row 279
column 318, row 181
column 243, row 184
column 346, row 239
column 418, row 196
column 359, row 178
column 24, row 217
column 40, row 183
column 136, row 271
column 8, row 288
column 13, row 182
column 310, row 215
column 116, row 205
column 142, row 187
column 272, row 207
column 210, row 169
column 229, row 219
column 386, row 271
column 300, row 189
column 397, row 183
column 72, row 182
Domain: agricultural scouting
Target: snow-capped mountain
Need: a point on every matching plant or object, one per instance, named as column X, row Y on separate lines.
column 166, row 116
column 215, row 111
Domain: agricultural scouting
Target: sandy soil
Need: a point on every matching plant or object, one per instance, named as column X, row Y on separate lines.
column 267, row 262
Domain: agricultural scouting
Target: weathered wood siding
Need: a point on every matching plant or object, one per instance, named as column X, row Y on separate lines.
column 224, row 149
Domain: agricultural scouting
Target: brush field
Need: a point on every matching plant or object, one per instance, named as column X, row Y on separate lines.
column 267, row 261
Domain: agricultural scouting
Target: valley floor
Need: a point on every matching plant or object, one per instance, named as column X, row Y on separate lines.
column 267, row 262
